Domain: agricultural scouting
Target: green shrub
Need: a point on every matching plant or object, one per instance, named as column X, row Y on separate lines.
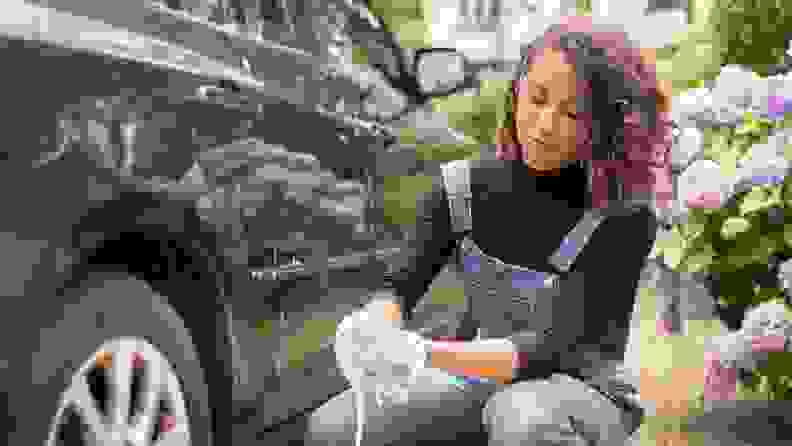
column 752, row 33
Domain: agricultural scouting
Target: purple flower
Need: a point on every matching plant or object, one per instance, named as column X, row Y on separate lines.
column 767, row 180
column 777, row 106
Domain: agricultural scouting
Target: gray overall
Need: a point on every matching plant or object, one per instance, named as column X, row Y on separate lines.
column 504, row 300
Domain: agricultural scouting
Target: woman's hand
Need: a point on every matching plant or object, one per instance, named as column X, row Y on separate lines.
column 384, row 305
column 489, row 358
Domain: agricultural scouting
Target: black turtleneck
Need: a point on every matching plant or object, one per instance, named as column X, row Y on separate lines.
column 521, row 216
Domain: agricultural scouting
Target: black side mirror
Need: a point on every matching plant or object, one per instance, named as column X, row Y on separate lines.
column 440, row 71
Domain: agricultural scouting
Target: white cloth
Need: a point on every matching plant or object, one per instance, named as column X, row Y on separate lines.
column 377, row 355
column 374, row 353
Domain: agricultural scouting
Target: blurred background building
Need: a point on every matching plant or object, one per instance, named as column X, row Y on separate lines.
column 492, row 30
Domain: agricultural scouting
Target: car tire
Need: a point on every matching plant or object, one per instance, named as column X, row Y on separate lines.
column 103, row 308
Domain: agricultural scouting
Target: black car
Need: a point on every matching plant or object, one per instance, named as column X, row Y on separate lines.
column 117, row 323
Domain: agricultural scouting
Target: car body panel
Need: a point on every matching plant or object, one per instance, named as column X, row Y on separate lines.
column 151, row 65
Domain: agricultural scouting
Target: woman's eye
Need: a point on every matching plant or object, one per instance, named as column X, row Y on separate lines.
column 572, row 115
column 537, row 100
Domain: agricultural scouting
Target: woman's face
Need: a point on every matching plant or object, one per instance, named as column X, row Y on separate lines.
column 546, row 112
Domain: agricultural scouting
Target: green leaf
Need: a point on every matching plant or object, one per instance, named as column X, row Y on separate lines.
column 733, row 226
column 788, row 236
column 695, row 225
column 718, row 143
column 674, row 248
column 749, row 126
column 756, row 199
column 728, row 162
column 407, row 136
column 699, row 260
column 764, row 249
column 767, row 294
column 775, row 195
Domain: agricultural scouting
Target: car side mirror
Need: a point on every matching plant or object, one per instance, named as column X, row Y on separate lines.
column 440, row 71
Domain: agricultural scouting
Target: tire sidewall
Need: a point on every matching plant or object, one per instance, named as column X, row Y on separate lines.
column 103, row 307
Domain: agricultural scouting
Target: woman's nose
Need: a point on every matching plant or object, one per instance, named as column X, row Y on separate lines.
column 546, row 122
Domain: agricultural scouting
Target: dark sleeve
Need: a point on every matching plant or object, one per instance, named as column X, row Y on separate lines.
column 603, row 283
column 427, row 251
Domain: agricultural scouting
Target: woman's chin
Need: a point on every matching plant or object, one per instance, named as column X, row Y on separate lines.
column 541, row 166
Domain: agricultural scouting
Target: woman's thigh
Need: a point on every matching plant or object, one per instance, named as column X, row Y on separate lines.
column 558, row 410
column 435, row 411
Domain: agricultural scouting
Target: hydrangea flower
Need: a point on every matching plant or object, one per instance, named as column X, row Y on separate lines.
column 768, row 319
column 690, row 106
column 735, row 86
column 703, row 185
column 777, row 106
column 688, row 143
column 785, row 275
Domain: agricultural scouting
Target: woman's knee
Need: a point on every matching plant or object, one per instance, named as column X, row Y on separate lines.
column 429, row 411
column 519, row 409
column 558, row 407
column 333, row 423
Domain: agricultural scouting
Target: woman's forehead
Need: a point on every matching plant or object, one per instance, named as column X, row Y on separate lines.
column 551, row 71
column 549, row 63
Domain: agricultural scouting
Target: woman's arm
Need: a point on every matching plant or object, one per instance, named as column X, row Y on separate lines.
column 426, row 253
column 495, row 359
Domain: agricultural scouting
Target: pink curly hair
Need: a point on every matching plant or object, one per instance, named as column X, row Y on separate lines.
column 645, row 169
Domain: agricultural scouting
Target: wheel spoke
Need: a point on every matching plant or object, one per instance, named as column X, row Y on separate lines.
column 153, row 378
column 159, row 401
column 120, row 384
column 177, row 437
column 79, row 394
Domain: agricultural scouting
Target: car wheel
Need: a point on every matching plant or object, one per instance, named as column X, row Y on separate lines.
column 117, row 369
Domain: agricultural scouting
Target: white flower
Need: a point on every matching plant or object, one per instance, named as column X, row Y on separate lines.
column 734, row 84
column 703, row 185
column 691, row 105
column 688, row 144
column 785, row 275
column 760, row 92
column 768, row 319
column 763, row 168
column 724, row 113
column 781, row 85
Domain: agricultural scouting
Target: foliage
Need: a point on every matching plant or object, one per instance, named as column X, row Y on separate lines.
column 752, row 33
column 400, row 195
column 739, row 239
column 406, row 18
column 476, row 115
column 690, row 58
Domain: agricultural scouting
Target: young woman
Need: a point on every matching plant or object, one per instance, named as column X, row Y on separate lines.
column 563, row 224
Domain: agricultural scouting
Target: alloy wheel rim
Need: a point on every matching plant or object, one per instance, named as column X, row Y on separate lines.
column 126, row 394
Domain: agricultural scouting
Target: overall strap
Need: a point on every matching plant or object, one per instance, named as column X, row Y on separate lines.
column 574, row 242
column 456, row 181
